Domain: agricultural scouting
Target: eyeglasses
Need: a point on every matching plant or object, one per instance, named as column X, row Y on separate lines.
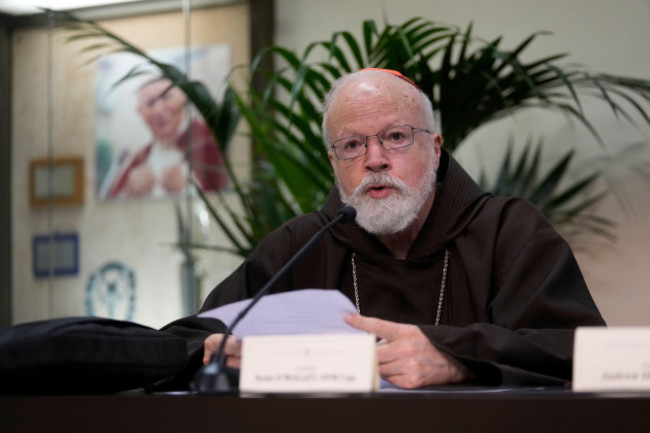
column 392, row 138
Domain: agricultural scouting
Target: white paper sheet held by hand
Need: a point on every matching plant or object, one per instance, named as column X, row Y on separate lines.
column 307, row 311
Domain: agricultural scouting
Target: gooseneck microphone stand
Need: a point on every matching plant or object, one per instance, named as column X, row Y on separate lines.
column 216, row 377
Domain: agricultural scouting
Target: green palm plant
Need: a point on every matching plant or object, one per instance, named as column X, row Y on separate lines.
column 548, row 191
column 470, row 83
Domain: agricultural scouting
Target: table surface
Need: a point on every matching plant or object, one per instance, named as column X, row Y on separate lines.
column 439, row 410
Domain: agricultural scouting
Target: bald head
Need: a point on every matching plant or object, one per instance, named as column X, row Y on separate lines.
column 363, row 91
column 162, row 107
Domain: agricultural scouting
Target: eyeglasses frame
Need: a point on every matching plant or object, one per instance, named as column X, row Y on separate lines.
column 381, row 143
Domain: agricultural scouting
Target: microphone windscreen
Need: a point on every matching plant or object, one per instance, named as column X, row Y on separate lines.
column 348, row 213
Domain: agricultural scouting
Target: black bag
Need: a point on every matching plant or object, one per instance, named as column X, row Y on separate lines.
column 86, row 355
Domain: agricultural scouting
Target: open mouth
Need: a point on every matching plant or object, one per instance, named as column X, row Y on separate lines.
column 378, row 191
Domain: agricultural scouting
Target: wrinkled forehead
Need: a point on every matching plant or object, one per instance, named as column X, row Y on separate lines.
column 155, row 89
column 379, row 81
column 373, row 91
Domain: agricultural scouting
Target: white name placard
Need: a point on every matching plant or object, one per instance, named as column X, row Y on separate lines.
column 611, row 359
column 309, row 363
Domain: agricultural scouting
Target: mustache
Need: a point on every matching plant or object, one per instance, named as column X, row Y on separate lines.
column 383, row 179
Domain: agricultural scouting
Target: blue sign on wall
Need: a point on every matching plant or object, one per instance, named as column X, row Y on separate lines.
column 55, row 255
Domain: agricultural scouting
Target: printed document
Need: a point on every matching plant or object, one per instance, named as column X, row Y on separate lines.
column 307, row 311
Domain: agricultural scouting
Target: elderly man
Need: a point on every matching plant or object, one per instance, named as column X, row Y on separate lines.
column 459, row 285
column 159, row 168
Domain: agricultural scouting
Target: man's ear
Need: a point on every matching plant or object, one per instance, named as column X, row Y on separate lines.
column 333, row 160
column 437, row 146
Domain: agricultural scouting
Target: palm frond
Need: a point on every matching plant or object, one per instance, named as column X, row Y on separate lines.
column 471, row 82
column 570, row 205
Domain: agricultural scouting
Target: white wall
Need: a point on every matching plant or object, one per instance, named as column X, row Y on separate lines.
column 603, row 35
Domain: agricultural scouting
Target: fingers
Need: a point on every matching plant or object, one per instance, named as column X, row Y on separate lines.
column 173, row 179
column 381, row 328
column 140, row 180
column 406, row 356
column 418, row 363
column 232, row 348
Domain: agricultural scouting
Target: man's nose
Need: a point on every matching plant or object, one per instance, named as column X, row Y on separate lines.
column 157, row 104
column 376, row 156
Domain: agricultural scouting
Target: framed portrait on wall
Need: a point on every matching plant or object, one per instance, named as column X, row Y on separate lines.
column 150, row 142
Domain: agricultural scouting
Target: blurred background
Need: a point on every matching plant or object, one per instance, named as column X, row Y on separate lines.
column 67, row 250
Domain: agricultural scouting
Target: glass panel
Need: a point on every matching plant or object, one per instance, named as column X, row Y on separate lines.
column 135, row 259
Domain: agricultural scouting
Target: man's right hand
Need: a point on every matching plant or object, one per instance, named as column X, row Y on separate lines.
column 140, row 180
column 173, row 179
column 232, row 349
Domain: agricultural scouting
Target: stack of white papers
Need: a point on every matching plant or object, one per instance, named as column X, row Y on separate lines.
column 308, row 311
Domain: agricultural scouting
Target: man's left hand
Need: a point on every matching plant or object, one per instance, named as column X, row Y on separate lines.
column 406, row 356
column 173, row 179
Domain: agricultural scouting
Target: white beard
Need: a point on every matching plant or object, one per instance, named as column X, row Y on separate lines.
column 396, row 212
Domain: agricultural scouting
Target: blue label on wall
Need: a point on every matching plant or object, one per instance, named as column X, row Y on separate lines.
column 55, row 255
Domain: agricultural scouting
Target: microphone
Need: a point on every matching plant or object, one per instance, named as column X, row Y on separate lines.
column 216, row 377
